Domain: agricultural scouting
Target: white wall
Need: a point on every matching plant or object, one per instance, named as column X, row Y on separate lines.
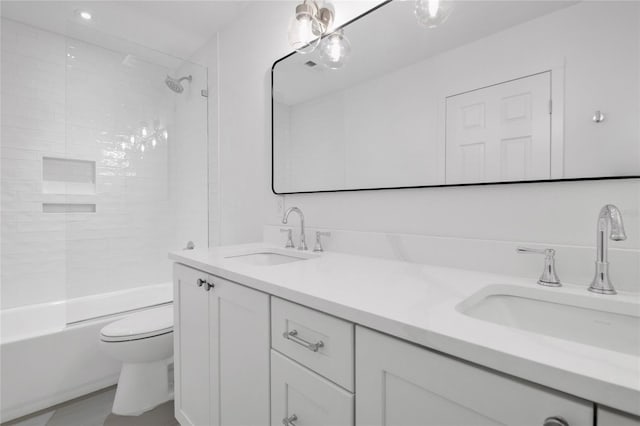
column 549, row 213
column 246, row 50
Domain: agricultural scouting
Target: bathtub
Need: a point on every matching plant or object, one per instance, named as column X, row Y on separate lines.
column 49, row 352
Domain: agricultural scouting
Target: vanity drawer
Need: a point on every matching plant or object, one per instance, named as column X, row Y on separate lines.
column 319, row 341
column 305, row 398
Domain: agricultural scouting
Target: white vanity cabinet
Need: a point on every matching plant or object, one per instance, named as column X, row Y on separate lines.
column 609, row 417
column 221, row 351
column 311, row 367
column 402, row 384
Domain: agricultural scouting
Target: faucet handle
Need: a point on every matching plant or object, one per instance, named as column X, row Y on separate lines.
column 549, row 277
column 289, row 237
column 318, row 246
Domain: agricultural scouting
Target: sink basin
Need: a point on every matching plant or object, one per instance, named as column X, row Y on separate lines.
column 592, row 320
column 265, row 258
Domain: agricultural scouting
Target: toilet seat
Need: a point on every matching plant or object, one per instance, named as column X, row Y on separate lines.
column 142, row 325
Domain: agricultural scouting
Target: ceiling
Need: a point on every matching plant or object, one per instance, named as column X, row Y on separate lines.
column 177, row 28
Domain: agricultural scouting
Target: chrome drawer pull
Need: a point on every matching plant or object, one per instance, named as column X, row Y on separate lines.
column 555, row 421
column 288, row 421
column 293, row 336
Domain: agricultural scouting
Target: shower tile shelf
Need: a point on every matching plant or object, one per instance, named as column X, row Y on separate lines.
column 68, row 176
column 68, row 208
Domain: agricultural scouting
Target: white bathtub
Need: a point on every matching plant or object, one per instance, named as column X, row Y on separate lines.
column 49, row 353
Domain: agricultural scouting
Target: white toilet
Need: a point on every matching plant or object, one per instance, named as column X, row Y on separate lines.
column 144, row 343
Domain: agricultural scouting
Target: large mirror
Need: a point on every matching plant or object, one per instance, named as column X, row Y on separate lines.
column 501, row 91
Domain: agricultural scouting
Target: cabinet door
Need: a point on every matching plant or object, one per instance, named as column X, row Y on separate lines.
column 191, row 347
column 305, row 398
column 239, row 327
column 401, row 384
column 609, row 417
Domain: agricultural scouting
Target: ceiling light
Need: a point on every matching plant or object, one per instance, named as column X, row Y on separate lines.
column 85, row 15
column 432, row 13
column 308, row 25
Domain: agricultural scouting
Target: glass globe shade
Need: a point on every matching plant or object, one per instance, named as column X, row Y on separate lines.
column 304, row 31
column 334, row 50
column 432, row 13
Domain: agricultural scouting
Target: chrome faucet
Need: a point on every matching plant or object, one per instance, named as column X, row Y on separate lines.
column 609, row 218
column 303, row 238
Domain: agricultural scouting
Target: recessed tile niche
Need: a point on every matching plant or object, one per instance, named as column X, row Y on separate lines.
column 68, row 176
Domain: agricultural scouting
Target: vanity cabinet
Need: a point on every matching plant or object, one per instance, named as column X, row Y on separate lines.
column 301, row 397
column 399, row 383
column 311, row 367
column 609, row 417
column 221, row 351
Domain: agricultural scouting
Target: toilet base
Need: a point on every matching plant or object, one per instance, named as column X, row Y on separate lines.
column 142, row 387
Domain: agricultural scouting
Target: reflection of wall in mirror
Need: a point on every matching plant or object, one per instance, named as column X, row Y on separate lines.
column 393, row 126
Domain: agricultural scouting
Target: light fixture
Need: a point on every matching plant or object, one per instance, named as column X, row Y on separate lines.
column 432, row 13
column 334, row 50
column 85, row 15
column 308, row 25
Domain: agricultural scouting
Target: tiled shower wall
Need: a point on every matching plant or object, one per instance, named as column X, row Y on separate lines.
column 66, row 99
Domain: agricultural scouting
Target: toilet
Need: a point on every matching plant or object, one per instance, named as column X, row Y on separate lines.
column 143, row 342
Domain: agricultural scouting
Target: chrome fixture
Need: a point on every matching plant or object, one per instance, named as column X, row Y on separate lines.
column 308, row 26
column 175, row 84
column 289, row 232
column 598, row 117
column 555, row 421
column 609, row 217
column 189, row 246
column 432, row 13
column 288, row 421
column 303, row 239
column 549, row 278
column 318, row 247
column 335, row 49
column 207, row 285
column 293, row 336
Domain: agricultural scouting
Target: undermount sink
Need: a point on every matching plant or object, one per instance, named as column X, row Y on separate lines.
column 265, row 258
column 592, row 320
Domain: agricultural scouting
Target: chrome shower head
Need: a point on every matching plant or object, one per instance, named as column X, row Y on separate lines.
column 175, row 84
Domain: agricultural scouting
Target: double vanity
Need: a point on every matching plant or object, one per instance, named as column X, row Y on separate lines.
column 270, row 335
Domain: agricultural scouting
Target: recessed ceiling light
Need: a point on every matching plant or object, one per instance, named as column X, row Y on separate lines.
column 85, row 15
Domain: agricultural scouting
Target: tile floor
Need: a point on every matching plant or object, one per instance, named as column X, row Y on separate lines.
column 95, row 410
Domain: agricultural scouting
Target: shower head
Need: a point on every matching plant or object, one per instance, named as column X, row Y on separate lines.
column 175, row 84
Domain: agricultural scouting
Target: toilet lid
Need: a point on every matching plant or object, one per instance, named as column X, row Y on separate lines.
column 148, row 323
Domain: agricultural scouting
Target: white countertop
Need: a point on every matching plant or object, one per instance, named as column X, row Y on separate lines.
column 417, row 303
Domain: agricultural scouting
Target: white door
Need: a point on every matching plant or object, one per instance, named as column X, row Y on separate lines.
column 500, row 133
column 400, row 384
column 300, row 397
column 239, row 326
column 191, row 347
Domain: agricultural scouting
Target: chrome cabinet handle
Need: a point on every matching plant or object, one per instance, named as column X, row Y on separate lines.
column 555, row 421
column 293, row 336
column 288, row 421
column 207, row 286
